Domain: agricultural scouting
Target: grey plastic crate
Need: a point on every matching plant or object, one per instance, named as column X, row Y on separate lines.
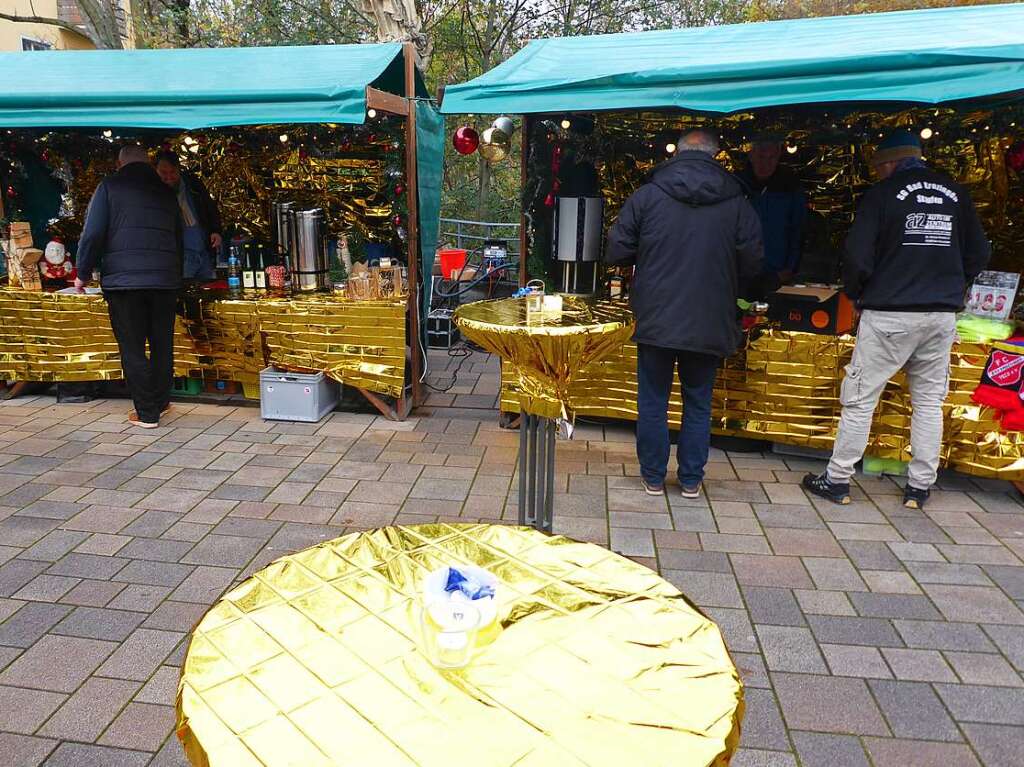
column 306, row 397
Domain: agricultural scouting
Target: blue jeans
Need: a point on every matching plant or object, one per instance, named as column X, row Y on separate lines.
column 655, row 367
column 198, row 263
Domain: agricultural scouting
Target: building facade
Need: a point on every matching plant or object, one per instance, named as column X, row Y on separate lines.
column 78, row 34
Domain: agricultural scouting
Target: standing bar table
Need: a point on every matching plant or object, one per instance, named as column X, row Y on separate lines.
column 592, row 661
column 543, row 351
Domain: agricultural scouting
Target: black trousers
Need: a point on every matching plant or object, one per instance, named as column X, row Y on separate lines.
column 138, row 317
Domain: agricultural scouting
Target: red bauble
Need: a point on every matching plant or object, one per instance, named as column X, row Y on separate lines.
column 45, row 156
column 1015, row 157
column 11, row 193
column 397, row 220
column 549, row 201
column 466, row 140
column 399, row 189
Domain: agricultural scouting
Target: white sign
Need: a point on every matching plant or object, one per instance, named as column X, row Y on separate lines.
column 992, row 295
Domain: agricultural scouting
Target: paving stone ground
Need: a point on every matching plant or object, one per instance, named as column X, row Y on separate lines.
column 866, row 635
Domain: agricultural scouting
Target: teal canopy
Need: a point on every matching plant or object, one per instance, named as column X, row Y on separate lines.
column 924, row 57
column 195, row 87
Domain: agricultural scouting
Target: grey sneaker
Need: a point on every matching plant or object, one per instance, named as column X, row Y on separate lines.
column 690, row 491
column 652, row 488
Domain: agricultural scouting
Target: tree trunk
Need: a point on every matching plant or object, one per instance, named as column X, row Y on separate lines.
column 484, row 170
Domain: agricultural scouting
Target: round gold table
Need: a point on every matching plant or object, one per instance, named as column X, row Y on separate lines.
column 316, row 661
column 544, row 352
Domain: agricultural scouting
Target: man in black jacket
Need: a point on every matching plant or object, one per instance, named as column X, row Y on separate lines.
column 201, row 218
column 133, row 233
column 915, row 246
column 695, row 240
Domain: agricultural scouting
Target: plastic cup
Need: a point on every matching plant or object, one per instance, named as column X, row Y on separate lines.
column 449, row 632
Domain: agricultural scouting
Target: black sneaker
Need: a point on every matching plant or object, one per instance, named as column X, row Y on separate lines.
column 821, row 486
column 914, row 498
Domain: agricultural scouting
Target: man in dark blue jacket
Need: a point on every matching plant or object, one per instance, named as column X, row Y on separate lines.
column 133, row 233
column 781, row 206
column 696, row 244
column 201, row 233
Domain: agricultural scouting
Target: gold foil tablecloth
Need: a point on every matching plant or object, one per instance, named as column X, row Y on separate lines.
column 784, row 387
column 61, row 337
column 544, row 352
column 315, row 661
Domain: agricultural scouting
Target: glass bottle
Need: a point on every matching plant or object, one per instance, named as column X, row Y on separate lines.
column 234, row 272
column 260, row 275
column 248, row 276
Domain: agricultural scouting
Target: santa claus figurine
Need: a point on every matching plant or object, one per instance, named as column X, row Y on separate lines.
column 55, row 264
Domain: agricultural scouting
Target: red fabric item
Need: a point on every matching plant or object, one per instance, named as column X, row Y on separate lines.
column 996, row 397
column 1013, row 420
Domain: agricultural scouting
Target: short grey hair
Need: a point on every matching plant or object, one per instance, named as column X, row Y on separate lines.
column 132, row 153
column 698, row 140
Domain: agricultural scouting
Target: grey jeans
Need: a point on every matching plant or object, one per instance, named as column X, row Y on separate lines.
column 888, row 342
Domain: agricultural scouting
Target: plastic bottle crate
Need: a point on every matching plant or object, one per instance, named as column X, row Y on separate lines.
column 305, row 397
column 187, row 387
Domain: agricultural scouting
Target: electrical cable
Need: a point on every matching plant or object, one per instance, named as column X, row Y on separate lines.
column 473, row 283
column 464, row 353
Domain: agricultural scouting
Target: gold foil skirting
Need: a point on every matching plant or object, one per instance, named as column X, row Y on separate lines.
column 545, row 351
column 317, row 661
column 60, row 337
column 784, row 387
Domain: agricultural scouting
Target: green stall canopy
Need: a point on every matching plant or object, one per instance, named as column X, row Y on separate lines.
column 195, row 87
column 925, row 57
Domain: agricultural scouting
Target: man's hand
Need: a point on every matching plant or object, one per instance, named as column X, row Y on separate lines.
column 79, row 285
column 216, row 241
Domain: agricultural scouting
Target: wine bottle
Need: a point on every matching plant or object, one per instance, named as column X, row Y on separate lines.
column 248, row 276
column 261, row 264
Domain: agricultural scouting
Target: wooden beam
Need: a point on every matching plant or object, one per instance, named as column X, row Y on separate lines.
column 386, row 102
column 413, row 229
column 386, row 410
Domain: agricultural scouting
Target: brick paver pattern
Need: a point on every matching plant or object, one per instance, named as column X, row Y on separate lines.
column 866, row 635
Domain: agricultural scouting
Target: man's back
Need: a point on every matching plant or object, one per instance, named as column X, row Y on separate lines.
column 915, row 244
column 133, row 231
column 695, row 241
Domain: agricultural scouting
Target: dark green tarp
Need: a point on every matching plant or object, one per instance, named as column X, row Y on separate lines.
column 193, row 88
column 430, row 140
column 928, row 56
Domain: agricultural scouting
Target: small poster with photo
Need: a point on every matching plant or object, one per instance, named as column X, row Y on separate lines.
column 993, row 294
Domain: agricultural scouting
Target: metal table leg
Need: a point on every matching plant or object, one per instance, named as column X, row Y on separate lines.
column 536, row 471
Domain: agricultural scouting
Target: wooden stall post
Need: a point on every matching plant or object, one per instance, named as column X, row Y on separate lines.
column 524, row 235
column 412, row 187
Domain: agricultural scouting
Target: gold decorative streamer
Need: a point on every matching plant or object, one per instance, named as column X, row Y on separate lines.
column 59, row 337
column 832, row 158
column 316, row 661
column 784, row 387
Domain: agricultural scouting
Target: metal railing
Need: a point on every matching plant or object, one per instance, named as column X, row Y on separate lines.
column 471, row 235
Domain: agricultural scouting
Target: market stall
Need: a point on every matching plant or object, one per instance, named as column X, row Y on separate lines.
column 339, row 139
column 600, row 112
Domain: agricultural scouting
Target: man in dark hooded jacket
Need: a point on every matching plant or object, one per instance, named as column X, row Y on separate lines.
column 696, row 243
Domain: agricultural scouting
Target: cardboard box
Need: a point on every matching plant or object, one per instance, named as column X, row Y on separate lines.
column 812, row 309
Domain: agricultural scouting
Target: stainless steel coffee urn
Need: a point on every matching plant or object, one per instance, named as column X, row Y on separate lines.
column 308, row 257
column 280, row 228
column 577, row 241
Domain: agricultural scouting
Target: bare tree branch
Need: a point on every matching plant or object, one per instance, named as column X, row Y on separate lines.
column 18, row 19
